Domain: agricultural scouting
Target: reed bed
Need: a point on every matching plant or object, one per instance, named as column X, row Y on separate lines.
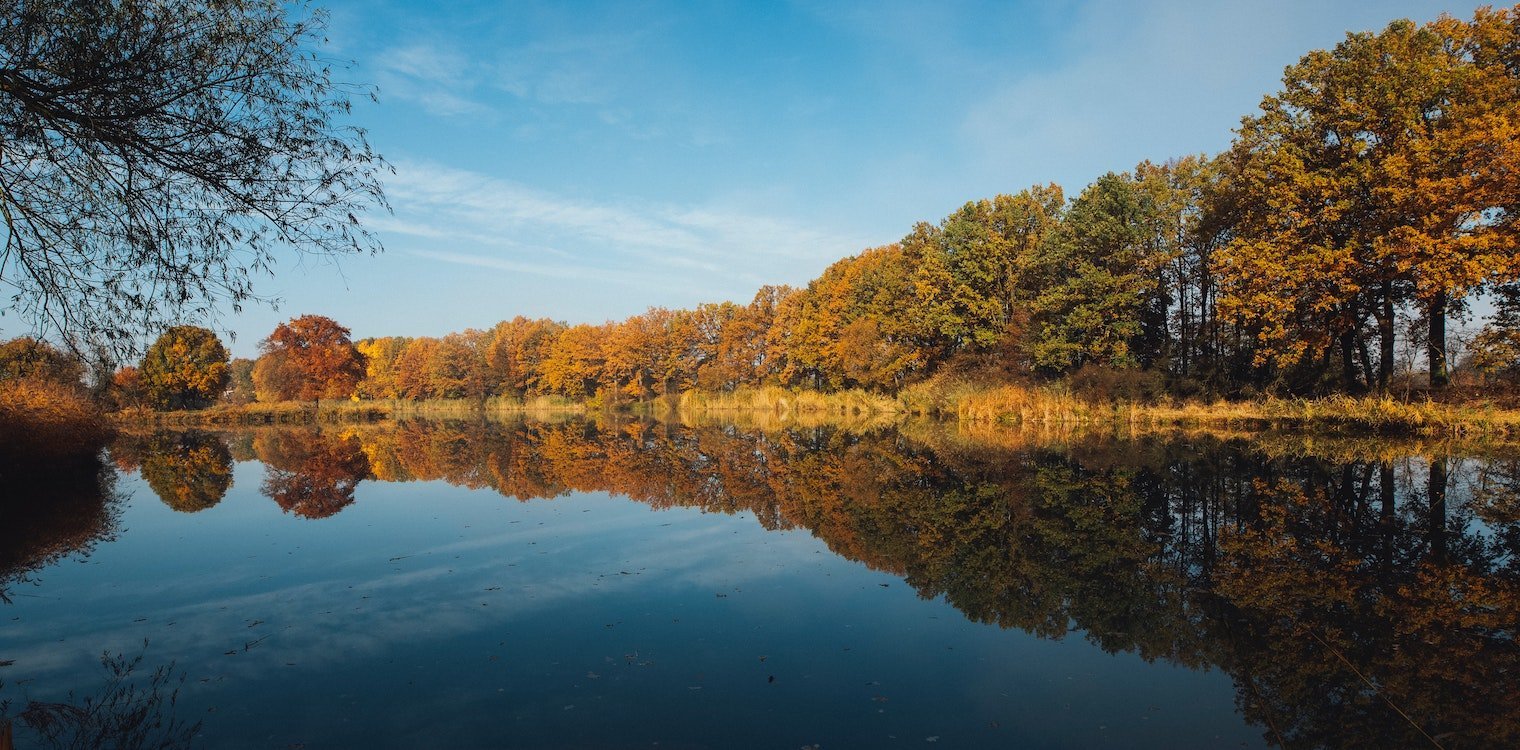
column 773, row 399
column 44, row 423
column 1371, row 414
column 975, row 406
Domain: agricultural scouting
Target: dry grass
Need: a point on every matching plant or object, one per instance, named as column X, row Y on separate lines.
column 46, row 423
column 967, row 402
column 344, row 411
column 283, row 412
column 1377, row 415
column 776, row 400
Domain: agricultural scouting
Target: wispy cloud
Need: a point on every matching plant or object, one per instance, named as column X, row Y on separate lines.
column 440, row 79
column 457, row 216
column 1128, row 81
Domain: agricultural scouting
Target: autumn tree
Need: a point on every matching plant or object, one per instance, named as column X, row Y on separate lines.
column 240, row 387
column 185, row 368
column 380, row 366
column 575, row 361
column 412, row 374
column 456, row 367
column 516, row 351
column 1381, row 174
column 852, row 326
column 26, row 358
column 158, row 154
column 314, row 357
column 127, row 388
column 273, row 380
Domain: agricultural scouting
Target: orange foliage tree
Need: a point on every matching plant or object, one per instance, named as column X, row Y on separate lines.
column 1382, row 173
column 314, row 357
column 186, row 368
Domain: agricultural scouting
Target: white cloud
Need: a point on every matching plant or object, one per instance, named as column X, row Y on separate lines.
column 1133, row 81
column 463, row 217
column 434, row 76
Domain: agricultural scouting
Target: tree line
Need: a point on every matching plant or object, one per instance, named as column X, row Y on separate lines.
column 1376, row 189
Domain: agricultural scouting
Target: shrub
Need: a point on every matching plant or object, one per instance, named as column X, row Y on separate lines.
column 1098, row 383
column 43, row 422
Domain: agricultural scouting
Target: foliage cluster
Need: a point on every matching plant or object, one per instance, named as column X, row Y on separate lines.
column 1377, row 187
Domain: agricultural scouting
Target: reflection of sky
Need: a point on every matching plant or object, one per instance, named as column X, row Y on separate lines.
column 430, row 615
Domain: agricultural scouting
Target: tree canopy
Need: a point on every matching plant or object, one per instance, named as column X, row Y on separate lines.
column 1382, row 173
column 309, row 357
column 156, row 156
column 186, row 368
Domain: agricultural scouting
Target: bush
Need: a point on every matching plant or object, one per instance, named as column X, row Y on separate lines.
column 44, row 422
column 1097, row 383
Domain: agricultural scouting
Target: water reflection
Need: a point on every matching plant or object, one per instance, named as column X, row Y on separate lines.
column 48, row 516
column 1356, row 593
column 134, row 708
column 190, row 471
column 310, row 474
column 1356, row 599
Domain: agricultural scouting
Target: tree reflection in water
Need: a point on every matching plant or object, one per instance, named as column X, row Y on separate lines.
column 190, row 471
column 310, row 473
column 1357, row 596
column 49, row 515
column 129, row 712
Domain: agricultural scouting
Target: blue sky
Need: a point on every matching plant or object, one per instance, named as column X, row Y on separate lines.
column 586, row 161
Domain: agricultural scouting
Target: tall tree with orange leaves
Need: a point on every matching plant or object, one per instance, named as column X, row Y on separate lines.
column 1382, row 173
column 316, row 355
column 186, row 368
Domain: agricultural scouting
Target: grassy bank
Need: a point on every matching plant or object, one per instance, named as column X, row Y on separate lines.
column 787, row 401
column 345, row 411
column 1009, row 404
column 43, row 425
column 983, row 405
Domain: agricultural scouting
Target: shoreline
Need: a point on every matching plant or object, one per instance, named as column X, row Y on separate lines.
column 985, row 407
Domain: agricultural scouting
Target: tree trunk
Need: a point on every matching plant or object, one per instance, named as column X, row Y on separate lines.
column 1437, row 495
column 1437, row 345
column 1385, row 321
column 1386, row 494
column 1348, row 363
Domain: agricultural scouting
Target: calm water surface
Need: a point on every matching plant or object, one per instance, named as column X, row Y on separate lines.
column 643, row 585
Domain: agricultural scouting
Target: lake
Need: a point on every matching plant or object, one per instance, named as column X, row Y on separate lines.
column 641, row 584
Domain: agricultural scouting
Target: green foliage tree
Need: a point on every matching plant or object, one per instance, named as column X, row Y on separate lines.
column 1103, row 276
column 185, row 368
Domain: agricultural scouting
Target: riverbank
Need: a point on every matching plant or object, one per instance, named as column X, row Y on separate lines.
column 45, row 426
column 1057, row 405
column 970, row 404
column 1377, row 415
column 344, row 411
